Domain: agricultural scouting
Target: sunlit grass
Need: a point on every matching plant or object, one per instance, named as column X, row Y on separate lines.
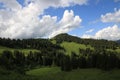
column 74, row 47
column 54, row 73
column 25, row 51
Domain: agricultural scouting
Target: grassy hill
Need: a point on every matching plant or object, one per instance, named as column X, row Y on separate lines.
column 41, row 66
column 73, row 44
column 54, row 73
column 26, row 51
column 74, row 47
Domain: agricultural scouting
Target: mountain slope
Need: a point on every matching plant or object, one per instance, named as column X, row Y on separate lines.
column 96, row 43
column 74, row 47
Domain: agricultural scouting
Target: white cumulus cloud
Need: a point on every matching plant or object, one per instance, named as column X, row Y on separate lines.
column 18, row 21
column 109, row 33
column 111, row 17
column 89, row 31
column 87, row 36
column 67, row 23
column 116, row 0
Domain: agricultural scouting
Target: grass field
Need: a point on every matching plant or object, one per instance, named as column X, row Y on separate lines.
column 53, row 41
column 72, row 46
column 44, row 71
column 117, row 50
column 26, row 51
column 54, row 73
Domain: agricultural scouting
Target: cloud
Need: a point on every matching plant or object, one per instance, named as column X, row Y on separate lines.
column 111, row 17
column 73, row 2
column 58, row 3
column 89, row 31
column 18, row 21
column 67, row 23
column 12, row 4
column 116, row 0
column 87, row 36
column 109, row 33
column 97, row 1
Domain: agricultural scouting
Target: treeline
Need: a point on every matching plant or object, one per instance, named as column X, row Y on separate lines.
column 17, row 61
column 53, row 55
column 47, row 44
column 104, row 60
column 98, row 44
column 39, row 44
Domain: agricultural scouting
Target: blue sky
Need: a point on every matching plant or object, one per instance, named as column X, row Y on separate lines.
column 89, row 11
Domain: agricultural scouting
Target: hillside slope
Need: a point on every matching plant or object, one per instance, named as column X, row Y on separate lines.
column 73, row 43
column 96, row 43
column 25, row 51
column 74, row 47
column 54, row 73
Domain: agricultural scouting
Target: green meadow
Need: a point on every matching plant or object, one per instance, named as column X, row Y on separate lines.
column 74, row 47
column 25, row 51
column 54, row 73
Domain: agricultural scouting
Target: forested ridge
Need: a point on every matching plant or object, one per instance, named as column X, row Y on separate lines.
column 96, row 43
column 45, row 43
column 50, row 54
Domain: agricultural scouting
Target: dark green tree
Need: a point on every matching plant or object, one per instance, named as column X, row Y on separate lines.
column 66, row 63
